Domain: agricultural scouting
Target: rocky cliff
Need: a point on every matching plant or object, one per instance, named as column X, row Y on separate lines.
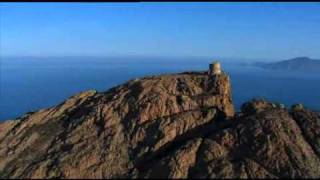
column 168, row 126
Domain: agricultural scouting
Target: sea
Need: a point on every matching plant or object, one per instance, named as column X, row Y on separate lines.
column 33, row 83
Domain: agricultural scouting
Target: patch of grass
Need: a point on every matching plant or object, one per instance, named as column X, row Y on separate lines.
column 3, row 175
column 54, row 173
column 286, row 129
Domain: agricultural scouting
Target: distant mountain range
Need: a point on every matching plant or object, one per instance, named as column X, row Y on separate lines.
column 295, row 64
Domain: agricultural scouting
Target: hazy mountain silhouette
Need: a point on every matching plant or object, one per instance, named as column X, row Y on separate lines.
column 295, row 64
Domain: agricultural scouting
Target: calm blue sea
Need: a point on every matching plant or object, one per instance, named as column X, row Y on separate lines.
column 29, row 84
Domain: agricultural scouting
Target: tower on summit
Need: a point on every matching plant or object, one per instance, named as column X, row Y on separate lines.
column 215, row 68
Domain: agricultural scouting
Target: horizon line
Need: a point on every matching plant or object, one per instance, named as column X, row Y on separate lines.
column 148, row 56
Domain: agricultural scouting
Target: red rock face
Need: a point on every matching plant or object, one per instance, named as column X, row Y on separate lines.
column 170, row 126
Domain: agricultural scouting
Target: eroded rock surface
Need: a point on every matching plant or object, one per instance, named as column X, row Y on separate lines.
column 168, row 126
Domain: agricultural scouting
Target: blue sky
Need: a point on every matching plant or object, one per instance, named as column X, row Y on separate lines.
column 240, row 30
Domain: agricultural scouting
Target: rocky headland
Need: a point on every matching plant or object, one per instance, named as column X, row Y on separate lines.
column 168, row 126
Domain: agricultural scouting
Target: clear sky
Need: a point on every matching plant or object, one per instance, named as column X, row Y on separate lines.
column 244, row 30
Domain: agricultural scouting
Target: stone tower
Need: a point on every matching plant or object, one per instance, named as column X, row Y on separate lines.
column 214, row 68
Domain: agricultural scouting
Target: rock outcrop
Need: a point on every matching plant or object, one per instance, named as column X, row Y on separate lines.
column 168, row 126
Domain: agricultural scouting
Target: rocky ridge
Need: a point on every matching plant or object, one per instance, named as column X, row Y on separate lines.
column 169, row 126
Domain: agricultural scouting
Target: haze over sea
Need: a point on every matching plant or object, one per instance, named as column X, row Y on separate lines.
column 29, row 83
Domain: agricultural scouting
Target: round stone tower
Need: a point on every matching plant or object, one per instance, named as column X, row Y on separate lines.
column 214, row 68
